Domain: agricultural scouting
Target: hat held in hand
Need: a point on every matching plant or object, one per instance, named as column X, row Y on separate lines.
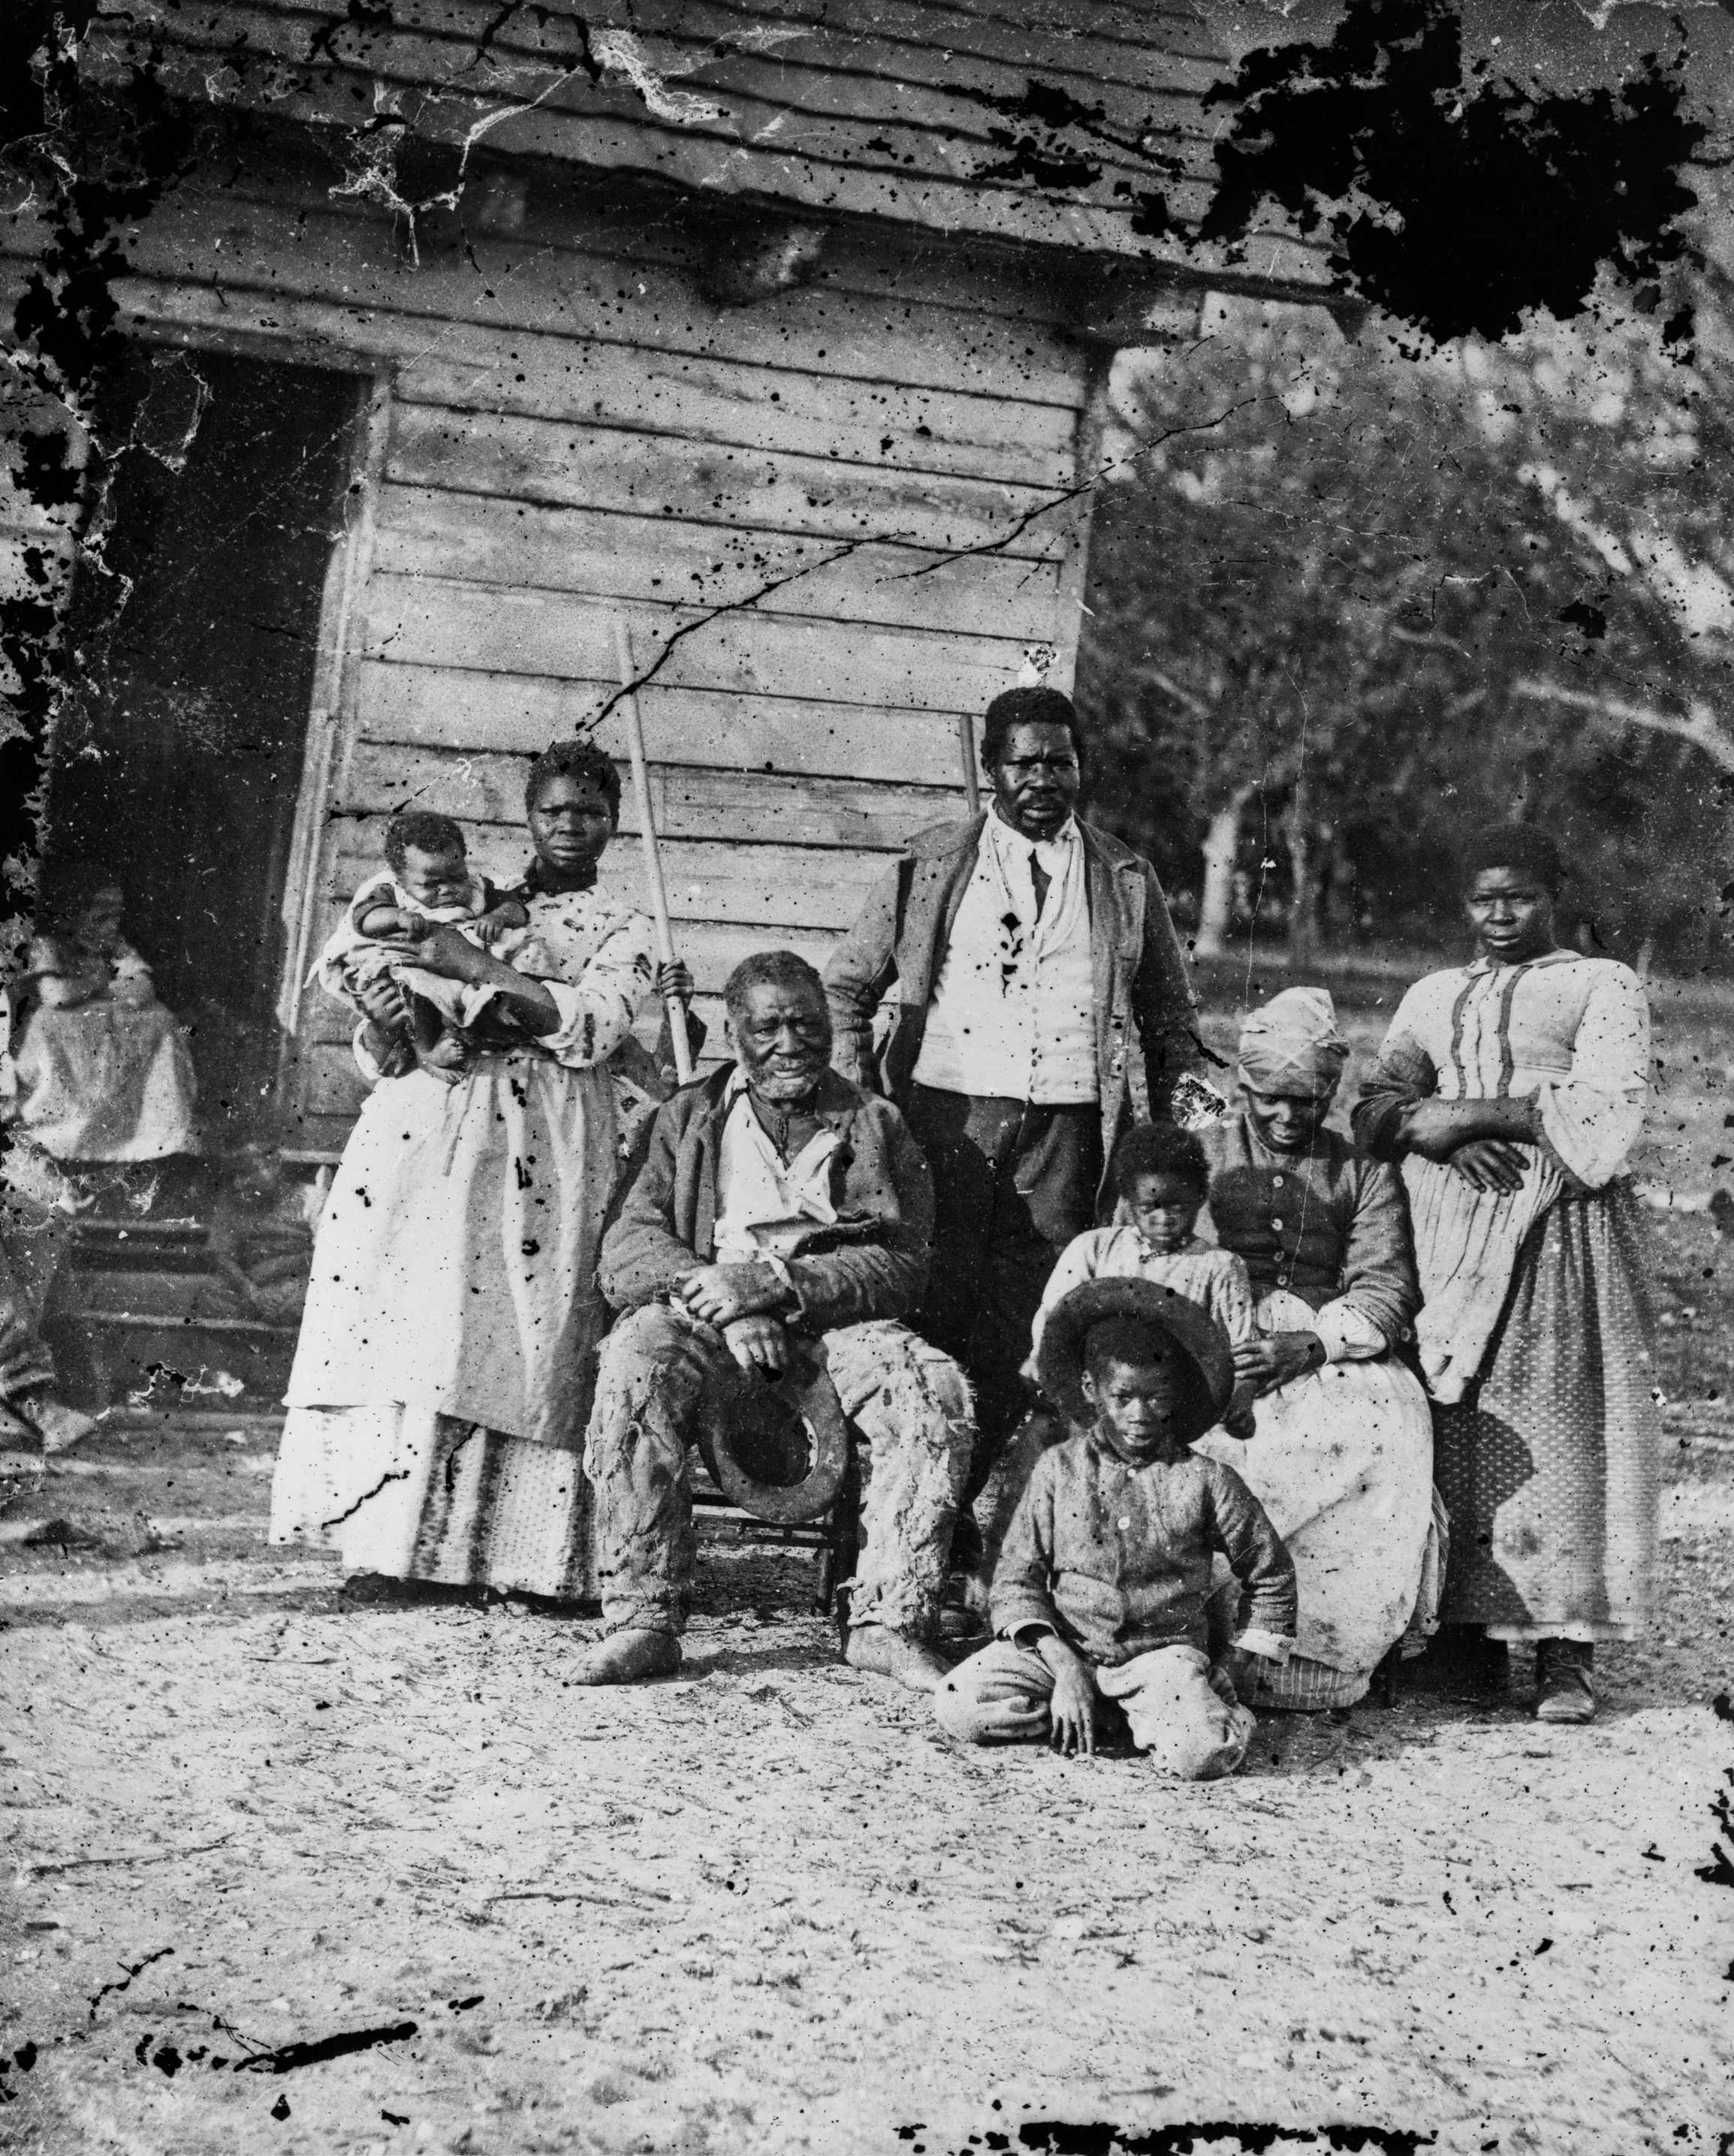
column 1177, row 1326
column 777, row 1446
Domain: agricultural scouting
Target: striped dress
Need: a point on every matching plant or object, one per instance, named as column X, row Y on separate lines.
column 1536, row 1339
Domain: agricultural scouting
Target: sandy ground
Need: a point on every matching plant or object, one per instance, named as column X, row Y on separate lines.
column 769, row 1906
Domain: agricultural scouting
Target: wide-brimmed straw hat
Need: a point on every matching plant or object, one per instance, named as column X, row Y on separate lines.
column 1185, row 1325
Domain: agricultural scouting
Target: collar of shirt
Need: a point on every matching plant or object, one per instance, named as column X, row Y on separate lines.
column 1054, row 853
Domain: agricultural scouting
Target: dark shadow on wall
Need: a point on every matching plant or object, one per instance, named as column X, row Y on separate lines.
column 177, row 757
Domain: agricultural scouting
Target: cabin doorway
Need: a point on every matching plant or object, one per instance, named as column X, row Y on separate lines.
column 177, row 761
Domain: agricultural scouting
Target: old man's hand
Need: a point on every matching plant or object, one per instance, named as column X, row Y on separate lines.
column 759, row 1343
column 721, row 1294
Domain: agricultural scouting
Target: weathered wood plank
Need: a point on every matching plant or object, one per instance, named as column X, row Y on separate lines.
column 692, row 159
column 425, row 622
column 434, row 708
column 495, row 540
column 860, row 121
column 766, row 489
column 845, row 98
column 564, row 213
column 757, row 886
column 738, row 808
column 1170, row 64
column 882, row 424
column 526, row 286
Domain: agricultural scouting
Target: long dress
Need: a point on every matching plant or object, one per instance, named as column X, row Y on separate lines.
column 1548, row 1449
column 107, row 1080
column 1341, row 1457
column 441, row 1383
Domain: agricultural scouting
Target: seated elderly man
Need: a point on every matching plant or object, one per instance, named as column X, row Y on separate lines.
column 774, row 1200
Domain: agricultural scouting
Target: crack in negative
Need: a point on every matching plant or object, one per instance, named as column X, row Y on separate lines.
column 394, row 1475
column 133, row 1969
column 1071, row 493
column 732, row 606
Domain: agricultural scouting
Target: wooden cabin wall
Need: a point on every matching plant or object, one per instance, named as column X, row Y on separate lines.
column 833, row 522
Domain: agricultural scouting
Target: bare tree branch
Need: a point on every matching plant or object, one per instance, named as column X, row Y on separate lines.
column 1698, row 724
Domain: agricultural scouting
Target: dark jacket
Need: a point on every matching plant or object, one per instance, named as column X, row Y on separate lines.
column 1324, row 1224
column 871, row 1263
column 903, row 929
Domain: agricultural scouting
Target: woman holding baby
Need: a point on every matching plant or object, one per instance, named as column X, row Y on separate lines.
column 441, row 1383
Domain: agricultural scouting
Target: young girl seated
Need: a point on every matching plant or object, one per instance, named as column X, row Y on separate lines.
column 100, row 1070
column 1162, row 1179
column 1099, row 1599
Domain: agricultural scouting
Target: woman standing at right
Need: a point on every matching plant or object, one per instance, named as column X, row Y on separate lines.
column 1512, row 1090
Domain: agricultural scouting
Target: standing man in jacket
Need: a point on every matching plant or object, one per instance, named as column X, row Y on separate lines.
column 1024, row 947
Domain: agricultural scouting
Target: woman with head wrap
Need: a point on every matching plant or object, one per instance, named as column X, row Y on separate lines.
column 1341, row 1456
column 1512, row 1090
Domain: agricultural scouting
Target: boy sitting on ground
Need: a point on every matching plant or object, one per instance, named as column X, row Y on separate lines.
column 1099, row 1596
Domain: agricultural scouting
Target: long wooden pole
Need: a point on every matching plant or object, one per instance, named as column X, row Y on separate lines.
column 967, row 747
column 647, row 838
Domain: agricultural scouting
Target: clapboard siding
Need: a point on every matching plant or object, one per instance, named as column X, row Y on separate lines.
column 708, row 879
column 553, row 462
column 895, row 43
column 483, row 540
column 829, row 109
column 913, row 429
column 480, row 629
column 430, row 707
column 835, row 135
column 354, row 261
column 746, row 808
column 330, row 98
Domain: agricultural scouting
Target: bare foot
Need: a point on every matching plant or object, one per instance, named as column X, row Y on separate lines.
column 61, row 1426
column 889, row 1654
column 629, row 1658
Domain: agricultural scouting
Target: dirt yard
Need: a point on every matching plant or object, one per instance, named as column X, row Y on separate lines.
column 291, row 1873
column 767, row 1906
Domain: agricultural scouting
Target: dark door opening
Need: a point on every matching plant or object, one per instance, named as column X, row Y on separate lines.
column 178, row 763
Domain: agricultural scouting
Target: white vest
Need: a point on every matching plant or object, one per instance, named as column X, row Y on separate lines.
column 1013, row 1013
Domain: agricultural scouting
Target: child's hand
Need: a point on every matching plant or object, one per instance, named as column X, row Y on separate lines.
column 1072, row 1711
column 675, row 980
column 499, row 920
column 1240, row 1422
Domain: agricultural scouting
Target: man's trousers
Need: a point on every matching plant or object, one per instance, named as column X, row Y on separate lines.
column 907, row 1400
column 1013, row 1183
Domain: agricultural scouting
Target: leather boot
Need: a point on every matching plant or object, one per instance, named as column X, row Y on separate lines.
column 1564, row 1691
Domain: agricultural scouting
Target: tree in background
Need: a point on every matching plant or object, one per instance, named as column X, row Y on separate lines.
column 1393, row 593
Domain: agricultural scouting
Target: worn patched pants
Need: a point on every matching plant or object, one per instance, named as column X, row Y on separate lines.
column 1187, row 1724
column 908, row 1401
